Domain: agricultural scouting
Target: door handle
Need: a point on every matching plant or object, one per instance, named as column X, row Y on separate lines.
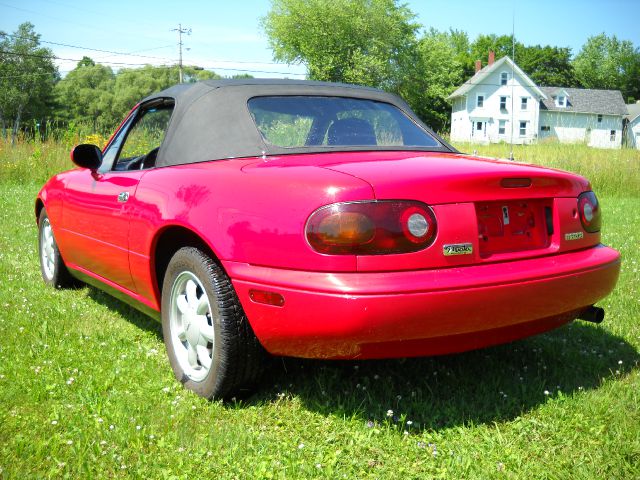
column 123, row 197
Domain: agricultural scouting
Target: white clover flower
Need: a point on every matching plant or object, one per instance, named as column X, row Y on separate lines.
column 389, row 413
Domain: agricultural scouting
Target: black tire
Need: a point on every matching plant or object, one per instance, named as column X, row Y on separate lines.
column 54, row 271
column 199, row 329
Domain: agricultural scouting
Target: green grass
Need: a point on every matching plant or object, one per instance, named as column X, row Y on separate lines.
column 86, row 391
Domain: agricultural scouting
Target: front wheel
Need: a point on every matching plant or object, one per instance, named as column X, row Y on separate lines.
column 210, row 344
column 54, row 272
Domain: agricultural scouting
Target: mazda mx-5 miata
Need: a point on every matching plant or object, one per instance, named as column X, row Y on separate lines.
column 317, row 220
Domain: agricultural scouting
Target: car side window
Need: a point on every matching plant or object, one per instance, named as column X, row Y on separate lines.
column 143, row 139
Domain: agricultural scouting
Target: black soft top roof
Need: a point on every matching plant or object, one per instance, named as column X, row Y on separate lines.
column 211, row 119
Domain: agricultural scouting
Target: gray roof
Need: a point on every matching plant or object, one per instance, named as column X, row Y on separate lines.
column 634, row 111
column 211, row 119
column 585, row 100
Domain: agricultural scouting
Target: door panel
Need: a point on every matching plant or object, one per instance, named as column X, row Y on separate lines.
column 97, row 223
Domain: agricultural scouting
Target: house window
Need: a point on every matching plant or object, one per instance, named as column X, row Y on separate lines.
column 599, row 118
column 523, row 129
column 480, row 101
column 503, row 103
column 561, row 101
column 523, row 103
column 502, row 127
column 612, row 135
column 504, row 77
column 545, row 128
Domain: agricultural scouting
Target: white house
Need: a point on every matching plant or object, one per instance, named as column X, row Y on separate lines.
column 632, row 127
column 500, row 103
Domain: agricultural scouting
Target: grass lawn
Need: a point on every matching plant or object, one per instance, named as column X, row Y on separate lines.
column 86, row 391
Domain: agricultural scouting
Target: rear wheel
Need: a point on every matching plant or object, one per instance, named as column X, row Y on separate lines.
column 54, row 272
column 210, row 344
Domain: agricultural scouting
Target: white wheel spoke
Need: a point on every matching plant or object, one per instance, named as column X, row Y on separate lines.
column 192, row 296
column 192, row 355
column 203, row 305
column 204, row 356
column 206, row 330
column 183, row 305
column 180, row 332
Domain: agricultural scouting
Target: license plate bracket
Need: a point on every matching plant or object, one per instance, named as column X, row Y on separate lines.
column 512, row 225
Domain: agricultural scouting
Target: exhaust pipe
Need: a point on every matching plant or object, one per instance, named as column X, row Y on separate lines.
column 592, row 314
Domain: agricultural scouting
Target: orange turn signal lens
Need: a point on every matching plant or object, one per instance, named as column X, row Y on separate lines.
column 346, row 228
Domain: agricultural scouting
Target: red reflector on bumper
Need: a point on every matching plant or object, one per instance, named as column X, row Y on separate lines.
column 268, row 298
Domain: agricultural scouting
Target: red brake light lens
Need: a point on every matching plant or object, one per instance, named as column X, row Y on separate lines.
column 589, row 210
column 371, row 228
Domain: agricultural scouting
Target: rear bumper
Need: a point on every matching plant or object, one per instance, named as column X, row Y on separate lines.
column 426, row 312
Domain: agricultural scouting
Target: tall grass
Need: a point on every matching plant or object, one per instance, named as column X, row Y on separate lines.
column 30, row 160
column 612, row 172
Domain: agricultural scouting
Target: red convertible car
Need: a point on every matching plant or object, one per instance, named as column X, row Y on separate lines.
column 317, row 220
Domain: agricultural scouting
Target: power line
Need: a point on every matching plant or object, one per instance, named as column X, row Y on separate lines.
column 91, row 49
column 54, row 57
column 242, row 62
column 215, row 69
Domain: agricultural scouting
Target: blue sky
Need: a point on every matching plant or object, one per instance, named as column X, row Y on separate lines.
column 226, row 37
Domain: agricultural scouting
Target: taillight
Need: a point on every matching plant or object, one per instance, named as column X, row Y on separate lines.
column 371, row 228
column 589, row 211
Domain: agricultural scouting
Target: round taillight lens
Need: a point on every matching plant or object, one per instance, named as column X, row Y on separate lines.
column 417, row 225
column 371, row 227
column 589, row 210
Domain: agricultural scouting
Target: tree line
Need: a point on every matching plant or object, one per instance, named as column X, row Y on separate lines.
column 368, row 42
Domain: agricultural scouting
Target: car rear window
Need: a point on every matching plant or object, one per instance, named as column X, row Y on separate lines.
column 306, row 121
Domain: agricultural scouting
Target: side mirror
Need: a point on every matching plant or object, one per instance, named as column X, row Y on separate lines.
column 87, row 156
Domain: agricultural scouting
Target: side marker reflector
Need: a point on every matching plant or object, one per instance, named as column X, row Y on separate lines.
column 268, row 298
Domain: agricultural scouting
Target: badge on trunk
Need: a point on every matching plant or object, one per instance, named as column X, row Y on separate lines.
column 573, row 236
column 457, row 249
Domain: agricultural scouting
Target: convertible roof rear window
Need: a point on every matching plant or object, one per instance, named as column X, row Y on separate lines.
column 308, row 121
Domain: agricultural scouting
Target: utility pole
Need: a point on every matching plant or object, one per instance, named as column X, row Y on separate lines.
column 186, row 31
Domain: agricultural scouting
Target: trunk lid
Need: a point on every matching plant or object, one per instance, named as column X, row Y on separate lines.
column 438, row 178
column 487, row 210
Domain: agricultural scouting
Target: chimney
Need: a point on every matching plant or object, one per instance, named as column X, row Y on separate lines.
column 492, row 57
column 478, row 65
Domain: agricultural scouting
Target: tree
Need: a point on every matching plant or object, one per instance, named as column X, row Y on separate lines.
column 86, row 94
column 27, row 76
column 502, row 46
column 608, row 63
column 364, row 42
column 436, row 72
column 547, row 66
